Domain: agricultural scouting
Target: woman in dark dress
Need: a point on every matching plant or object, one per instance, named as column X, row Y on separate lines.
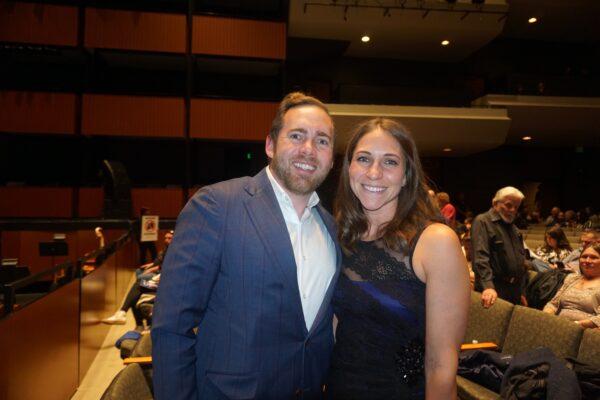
column 402, row 299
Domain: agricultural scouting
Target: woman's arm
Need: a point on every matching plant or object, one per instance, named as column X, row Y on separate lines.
column 439, row 259
column 552, row 306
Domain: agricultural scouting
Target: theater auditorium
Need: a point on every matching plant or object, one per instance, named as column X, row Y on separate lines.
column 116, row 114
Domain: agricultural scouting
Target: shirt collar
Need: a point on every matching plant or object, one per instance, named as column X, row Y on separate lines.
column 495, row 215
column 283, row 197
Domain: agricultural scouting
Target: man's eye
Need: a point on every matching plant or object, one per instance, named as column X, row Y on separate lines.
column 323, row 142
column 294, row 136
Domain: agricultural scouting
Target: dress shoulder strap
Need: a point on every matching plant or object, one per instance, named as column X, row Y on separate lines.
column 413, row 243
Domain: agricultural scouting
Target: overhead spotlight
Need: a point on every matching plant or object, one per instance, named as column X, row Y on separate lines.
column 365, row 39
column 532, row 20
column 447, row 150
column 526, row 138
column 445, row 42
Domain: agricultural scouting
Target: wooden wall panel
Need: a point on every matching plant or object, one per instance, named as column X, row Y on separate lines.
column 91, row 201
column 98, row 301
column 238, row 37
column 166, row 203
column 37, row 112
column 231, row 119
column 133, row 116
column 38, row 23
column 135, row 30
column 39, row 347
column 52, row 202
column 24, row 245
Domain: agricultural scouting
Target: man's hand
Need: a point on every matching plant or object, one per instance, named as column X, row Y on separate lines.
column 488, row 298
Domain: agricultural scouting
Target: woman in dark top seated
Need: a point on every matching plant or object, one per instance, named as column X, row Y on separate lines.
column 402, row 299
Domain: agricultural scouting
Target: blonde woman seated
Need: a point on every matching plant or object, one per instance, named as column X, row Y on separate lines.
column 579, row 297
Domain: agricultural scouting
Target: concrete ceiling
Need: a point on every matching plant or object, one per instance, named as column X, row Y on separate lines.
column 550, row 121
column 464, row 130
column 558, row 20
column 413, row 32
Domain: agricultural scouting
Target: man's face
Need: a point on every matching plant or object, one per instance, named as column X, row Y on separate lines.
column 587, row 239
column 507, row 208
column 168, row 238
column 302, row 156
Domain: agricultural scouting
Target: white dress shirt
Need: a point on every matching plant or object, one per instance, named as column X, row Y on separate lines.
column 314, row 250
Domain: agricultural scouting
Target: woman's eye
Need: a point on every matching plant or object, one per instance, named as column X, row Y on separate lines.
column 391, row 162
column 362, row 159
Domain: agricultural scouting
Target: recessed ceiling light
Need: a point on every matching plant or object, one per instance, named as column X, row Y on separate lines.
column 532, row 20
column 445, row 42
column 526, row 138
column 365, row 39
column 447, row 150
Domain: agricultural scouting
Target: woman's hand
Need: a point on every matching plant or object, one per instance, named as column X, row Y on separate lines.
column 586, row 323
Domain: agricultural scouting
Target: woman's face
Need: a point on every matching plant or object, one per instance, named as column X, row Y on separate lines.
column 589, row 262
column 551, row 241
column 377, row 174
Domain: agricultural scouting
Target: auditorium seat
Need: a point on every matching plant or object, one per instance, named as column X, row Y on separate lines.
column 488, row 324
column 530, row 328
column 129, row 384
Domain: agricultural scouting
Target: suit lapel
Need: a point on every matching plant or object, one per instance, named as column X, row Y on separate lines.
column 266, row 215
column 330, row 224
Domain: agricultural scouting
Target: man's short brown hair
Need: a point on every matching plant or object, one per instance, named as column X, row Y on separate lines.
column 293, row 100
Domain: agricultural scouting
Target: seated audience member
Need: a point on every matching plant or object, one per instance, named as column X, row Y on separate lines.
column 447, row 210
column 587, row 238
column 579, row 297
column 144, row 282
column 555, row 250
column 570, row 219
column 593, row 222
column 553, row 217
column 560, row 219
column 533, row 218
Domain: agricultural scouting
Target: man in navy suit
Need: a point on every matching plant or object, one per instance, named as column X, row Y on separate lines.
column 253, row 266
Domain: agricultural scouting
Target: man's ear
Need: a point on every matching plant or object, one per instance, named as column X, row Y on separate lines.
column 269, row 147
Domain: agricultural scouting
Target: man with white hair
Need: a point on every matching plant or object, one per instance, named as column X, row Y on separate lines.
column 498, row 252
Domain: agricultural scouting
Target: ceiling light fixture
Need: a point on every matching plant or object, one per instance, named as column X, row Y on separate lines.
column 445, row 42
column 447, row 150
column 526, row 138
column 365, row 39
column 532, row 20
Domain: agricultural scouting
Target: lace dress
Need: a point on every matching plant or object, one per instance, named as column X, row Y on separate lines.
column 380, row 337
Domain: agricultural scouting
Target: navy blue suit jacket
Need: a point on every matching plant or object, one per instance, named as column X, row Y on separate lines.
column 230, row 271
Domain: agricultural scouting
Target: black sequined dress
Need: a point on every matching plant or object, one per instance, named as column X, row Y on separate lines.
column 380, row 337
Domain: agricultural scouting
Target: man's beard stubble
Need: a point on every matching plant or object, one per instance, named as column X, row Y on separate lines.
column 295, row 183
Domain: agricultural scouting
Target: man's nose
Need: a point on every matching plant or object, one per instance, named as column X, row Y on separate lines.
column 308, row 147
